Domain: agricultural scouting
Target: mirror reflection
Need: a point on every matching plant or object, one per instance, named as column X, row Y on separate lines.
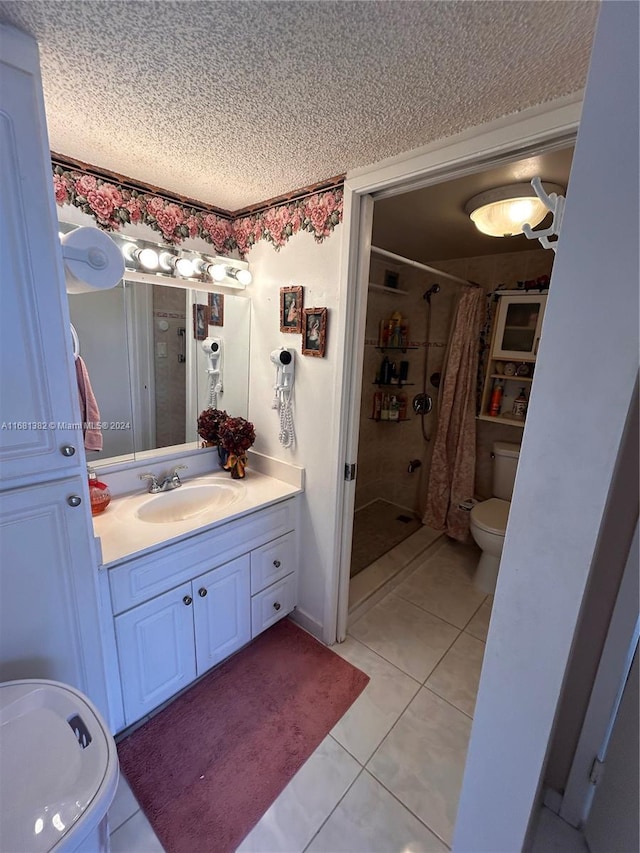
column 149, row 372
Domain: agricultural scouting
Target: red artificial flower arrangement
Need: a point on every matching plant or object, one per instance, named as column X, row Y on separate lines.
column 236, row 435
column 209, row 424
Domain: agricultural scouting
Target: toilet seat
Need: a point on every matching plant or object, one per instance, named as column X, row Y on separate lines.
column 491, row 515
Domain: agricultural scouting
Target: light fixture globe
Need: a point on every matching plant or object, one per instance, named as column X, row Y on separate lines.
column 503, row 211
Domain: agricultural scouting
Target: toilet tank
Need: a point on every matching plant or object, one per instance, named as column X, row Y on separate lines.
column 505, row 463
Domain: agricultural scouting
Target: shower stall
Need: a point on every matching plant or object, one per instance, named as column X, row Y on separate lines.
column 394, row 451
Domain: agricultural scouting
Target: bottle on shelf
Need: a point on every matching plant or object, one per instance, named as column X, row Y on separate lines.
column 520, row 404
column 385, row 371
column 377, row 406
column 384, row 412
column 495, row 402
column 99, row 493
column 394, row 408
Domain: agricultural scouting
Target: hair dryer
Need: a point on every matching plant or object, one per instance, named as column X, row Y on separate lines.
column 283, row 359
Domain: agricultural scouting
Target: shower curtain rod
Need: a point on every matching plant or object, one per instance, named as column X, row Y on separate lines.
column 420, row 266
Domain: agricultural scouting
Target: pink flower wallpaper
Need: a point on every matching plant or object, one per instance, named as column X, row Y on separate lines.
column 113, row 205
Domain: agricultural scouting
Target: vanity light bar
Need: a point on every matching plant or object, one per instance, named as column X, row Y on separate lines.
column 158, row 261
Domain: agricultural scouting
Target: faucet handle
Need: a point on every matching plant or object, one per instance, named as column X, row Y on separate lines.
column 154, row 487
column 179, row 467
column 174, row 476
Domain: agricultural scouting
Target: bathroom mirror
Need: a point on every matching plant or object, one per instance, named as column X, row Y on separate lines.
column 147, row 367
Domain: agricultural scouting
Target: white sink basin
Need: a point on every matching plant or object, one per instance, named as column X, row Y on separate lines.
column 189, row 501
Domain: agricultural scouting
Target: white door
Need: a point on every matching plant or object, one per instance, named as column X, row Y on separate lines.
column 37, row 375
column 222, row 612
column 613, row 820
column 155, row 651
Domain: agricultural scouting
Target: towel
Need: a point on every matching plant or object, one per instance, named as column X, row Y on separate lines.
column 89, row 412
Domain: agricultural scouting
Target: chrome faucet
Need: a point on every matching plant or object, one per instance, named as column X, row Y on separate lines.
column 170, row 482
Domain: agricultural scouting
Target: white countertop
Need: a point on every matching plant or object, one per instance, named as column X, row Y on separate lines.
column 124, row 535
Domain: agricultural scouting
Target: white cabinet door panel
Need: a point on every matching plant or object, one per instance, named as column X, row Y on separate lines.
column 155, row 651
column 222, row 612
column 48, row 590
column 37, row 376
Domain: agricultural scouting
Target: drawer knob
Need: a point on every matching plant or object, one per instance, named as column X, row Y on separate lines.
column 74, row 500
column 187, row 600
column 67, row 450
column 277, row 563
column 276, row 605
column 202, row 592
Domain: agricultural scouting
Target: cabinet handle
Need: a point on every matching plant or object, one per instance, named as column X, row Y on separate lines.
column 74, row 500
column 67, row 450
column 277, row 563
column 187, row 600
column 202, row 592
column 276, row 605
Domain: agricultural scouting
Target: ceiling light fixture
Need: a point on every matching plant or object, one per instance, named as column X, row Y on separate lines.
column 503, row 211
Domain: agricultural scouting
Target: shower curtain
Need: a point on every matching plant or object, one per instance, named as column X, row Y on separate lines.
column 452, row 472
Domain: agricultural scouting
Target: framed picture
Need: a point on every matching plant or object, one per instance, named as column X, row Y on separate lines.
column 216, row 309
column 314, row 331
column 391, row 279
column 200, row 322
column 291, row 309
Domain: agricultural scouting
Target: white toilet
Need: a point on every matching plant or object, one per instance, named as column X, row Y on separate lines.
column 489, row 518
column 58, row 772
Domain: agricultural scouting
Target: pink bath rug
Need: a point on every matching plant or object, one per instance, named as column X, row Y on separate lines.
column 207, row 767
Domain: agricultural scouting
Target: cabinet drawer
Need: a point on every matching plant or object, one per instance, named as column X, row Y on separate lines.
column 272, row 562
column 272, row 604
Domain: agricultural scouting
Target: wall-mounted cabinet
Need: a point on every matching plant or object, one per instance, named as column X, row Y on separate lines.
column 512, row 356
column 517, row 327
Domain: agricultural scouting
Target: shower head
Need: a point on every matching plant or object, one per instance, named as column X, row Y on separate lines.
column 435, row 288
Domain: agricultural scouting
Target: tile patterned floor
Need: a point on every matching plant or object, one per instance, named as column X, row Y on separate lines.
column 387, row 778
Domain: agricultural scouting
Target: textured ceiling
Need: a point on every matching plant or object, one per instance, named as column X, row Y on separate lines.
column 233, row 103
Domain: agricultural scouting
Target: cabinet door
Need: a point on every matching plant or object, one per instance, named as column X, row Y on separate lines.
column 49, row 625
column 518, row 326
column 37, row 376
column 222, row 612
column 155, row 651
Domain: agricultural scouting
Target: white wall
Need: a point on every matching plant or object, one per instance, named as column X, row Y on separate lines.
column 574, row 428
column 313, row 265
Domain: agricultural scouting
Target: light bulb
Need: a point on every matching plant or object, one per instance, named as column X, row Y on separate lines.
column 148, row 258
column 217, row 272
column 184, row 267
column 244, row 276
column 167, row 261
column 129, row 250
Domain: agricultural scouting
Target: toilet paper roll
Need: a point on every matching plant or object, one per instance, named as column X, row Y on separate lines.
column 92, row 261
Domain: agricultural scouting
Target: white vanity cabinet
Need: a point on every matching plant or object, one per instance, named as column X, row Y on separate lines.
column 181, row 610
column 155, row 640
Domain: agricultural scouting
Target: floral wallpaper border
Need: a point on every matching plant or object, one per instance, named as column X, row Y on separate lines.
column 113, row 205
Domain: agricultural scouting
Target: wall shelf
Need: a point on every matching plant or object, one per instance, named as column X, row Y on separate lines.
column 382, row 289
column 501, row 419
column 401, row 349
column 511, row 378
column 389, row 421
column 392, row 384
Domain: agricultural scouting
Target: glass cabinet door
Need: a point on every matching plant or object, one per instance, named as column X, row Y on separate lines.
column 518, row 325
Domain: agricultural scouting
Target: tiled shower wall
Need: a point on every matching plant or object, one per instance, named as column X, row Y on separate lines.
column 386, row 448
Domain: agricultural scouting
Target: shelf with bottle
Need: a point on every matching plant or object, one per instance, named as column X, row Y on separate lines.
column 389, row 407
column 502, row 405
